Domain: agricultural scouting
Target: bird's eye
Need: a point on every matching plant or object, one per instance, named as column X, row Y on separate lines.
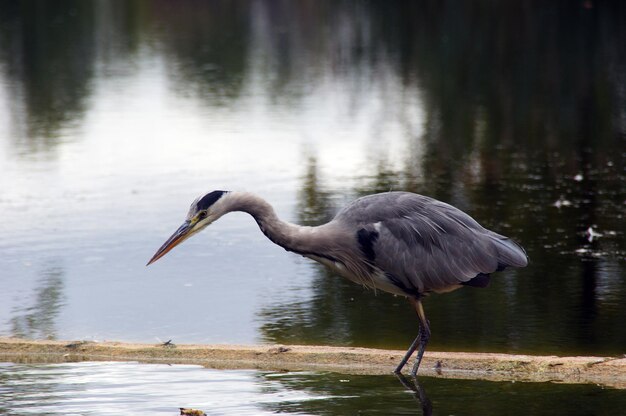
column 201, row 215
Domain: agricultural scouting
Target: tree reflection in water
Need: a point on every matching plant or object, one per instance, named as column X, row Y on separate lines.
column 37, row 321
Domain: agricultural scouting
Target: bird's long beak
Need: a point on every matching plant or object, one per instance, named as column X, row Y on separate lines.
column 175, row 239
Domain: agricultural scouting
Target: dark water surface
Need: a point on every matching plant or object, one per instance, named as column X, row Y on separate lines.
column 115, row 115
column 130, row 388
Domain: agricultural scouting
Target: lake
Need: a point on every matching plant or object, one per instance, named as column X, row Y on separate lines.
column 116, row 115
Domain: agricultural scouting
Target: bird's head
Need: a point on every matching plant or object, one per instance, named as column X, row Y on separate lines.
column 203, row 211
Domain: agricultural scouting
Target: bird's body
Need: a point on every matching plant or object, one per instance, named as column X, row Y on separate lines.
column 398, row 242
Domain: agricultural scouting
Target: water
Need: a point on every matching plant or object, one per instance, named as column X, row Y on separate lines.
column 115, row 115
column 130, row 388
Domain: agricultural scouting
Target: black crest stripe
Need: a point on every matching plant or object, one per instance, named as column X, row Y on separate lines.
column 209, row 199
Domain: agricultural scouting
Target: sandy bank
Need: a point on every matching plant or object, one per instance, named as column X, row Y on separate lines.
column 608, row 371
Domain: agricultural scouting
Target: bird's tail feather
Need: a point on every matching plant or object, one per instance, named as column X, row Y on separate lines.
column 510, row 253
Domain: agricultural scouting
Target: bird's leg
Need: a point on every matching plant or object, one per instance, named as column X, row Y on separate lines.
column 420, row 341
column 409, row 352
column 423, row 335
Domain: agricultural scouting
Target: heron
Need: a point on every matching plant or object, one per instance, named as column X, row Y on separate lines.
column 403, row 243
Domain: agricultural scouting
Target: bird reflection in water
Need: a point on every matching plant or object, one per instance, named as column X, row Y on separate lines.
column 420, row 394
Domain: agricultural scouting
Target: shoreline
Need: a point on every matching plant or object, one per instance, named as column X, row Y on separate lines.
column 605, row 371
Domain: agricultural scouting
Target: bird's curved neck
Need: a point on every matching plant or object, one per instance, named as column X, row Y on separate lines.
column 292, row 237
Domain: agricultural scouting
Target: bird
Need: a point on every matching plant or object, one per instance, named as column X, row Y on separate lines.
column 403, row 243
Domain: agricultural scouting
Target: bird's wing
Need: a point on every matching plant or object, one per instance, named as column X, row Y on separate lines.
column 426, row 245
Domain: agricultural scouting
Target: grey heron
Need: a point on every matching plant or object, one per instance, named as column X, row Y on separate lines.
column 399, row 242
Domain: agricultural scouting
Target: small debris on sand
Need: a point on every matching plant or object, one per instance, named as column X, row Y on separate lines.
column 278, row 350
column 191, row 412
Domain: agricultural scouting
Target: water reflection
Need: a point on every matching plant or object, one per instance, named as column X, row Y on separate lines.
column 414, row 385
column 130, row 388
column 47, row 53
column 38, row 321
column 513, row 112
column 386, row 395
column 207, row 44
column 314, row 204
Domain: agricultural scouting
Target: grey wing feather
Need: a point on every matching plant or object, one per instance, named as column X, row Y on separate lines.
column 426, row 245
